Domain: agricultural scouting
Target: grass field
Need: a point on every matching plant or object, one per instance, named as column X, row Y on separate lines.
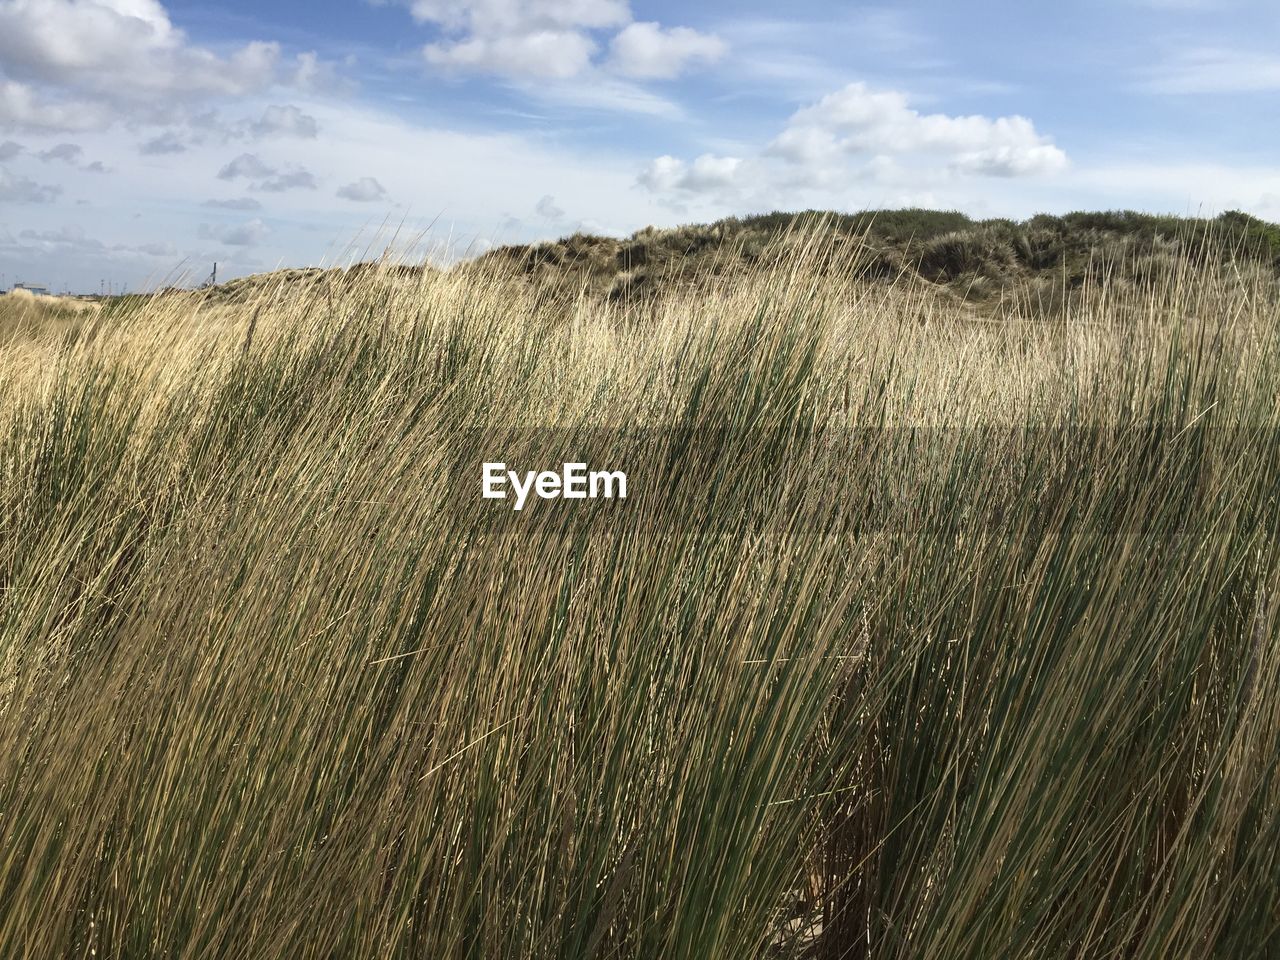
column 922, row 633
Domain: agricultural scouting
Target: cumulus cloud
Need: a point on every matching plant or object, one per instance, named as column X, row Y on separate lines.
column 861, row 135
column 72, row 239
column 471, row 175
column 235, row 203
column 646, row 51
column 66, row 238
column 536, row 38
column 1028, row 160
column 364, row 190
column 284, row 121
column 310, row 73
column 858, row 119
column 132, row 43
column 15, row 188
column 247, row 234
column 707, row 174
column 167, row 142
column 246, row 165
column 66, row 152
column 84, row 64
column 210, row 126
column 556, row 39
column 548, row 208
column 265, row 177
column 22, row 106
column 71, row 154
column 296, row 179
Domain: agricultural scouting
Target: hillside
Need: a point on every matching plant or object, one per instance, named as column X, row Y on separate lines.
column 1042, row 265
column 995, row 262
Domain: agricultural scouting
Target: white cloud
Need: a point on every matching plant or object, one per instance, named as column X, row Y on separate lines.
column 807, row 145
column 707, row 174
column 65, row 238
column 1027, row 160
column 858, row 119
column 52, row 38
column 66, row 152
column 602, row 92
column 73, row 239
column 647, row 51
column 364, row 190
column 160, row 198
column 71, row 154
column 85, row 64
column 23, row 107
column 274, row 122
column 543, row 53
column 520, row 16
column 858, row 140
column 310, row 74
column 248, row 234
column 1214, row 70
column 247, row 165
column 265, row 176
column 284, row 121
column 293, row 179
column 662, row 175
column 167, row 142
column 130, row 43
column 556, row 39
column 15, row 188
column 549, row 209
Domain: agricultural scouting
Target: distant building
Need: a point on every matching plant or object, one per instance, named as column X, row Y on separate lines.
column 32, row 288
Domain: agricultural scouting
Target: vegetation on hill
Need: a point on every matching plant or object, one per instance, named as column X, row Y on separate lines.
column 994, row 263
column 997, row 266
column 25, row 316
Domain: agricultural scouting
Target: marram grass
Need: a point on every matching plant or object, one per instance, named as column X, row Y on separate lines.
column 921, row 635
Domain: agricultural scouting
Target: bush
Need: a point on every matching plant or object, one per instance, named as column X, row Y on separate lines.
column 1252, row 234
column 984, row 252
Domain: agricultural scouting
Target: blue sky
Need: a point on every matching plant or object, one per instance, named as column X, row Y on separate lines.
column 142, row 140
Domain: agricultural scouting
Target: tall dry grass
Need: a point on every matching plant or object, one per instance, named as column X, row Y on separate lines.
column 919, row 636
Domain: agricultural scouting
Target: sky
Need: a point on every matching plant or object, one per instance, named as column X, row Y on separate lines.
column 141, row 141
